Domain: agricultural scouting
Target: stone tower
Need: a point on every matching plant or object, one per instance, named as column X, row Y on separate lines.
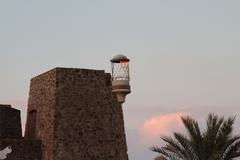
column 75, row 115
column 11, row 137
column 10, row 122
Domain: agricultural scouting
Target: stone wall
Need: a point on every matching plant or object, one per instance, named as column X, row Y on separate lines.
column 11, row 136
column 88, row 120
column 22, row 149
column 10, row 122
column 76, row 116
column 41, row 111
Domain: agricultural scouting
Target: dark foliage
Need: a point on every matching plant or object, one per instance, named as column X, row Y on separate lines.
column 215, row 143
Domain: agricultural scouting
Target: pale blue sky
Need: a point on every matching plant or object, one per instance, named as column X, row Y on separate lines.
column 184, row 54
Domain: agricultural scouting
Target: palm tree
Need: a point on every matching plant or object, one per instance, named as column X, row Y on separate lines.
column 216, row 142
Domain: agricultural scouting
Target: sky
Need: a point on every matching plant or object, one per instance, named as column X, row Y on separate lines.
column 184, row 56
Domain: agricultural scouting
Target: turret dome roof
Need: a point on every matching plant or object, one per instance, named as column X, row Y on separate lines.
column 118, row 58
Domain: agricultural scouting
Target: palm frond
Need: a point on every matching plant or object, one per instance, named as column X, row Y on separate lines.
column 186, row 144
column 215, row 143
column 232, row 151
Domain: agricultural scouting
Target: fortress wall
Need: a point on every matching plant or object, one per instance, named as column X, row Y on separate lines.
column 22, row 149
column 41, row 110
column 10, row 122
column 89, row 121
column 76, row 115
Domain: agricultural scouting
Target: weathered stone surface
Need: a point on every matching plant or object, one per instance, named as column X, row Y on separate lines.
column 10, row 122
column 41, row 111
column 22, row 149
column 76, row 116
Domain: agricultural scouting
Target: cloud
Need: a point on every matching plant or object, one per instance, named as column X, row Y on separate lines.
column 161, row 125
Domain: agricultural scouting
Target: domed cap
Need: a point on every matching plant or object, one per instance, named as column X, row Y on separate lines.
column 119, row 58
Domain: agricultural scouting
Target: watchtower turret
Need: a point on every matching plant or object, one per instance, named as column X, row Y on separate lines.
column 120, row 77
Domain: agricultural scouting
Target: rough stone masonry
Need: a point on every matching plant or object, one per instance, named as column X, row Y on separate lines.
column 72, row 115
column 11, row 136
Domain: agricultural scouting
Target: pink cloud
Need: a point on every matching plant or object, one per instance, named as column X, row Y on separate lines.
column 162, row 125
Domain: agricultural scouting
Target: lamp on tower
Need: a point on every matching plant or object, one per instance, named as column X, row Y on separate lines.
column 120, row 77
